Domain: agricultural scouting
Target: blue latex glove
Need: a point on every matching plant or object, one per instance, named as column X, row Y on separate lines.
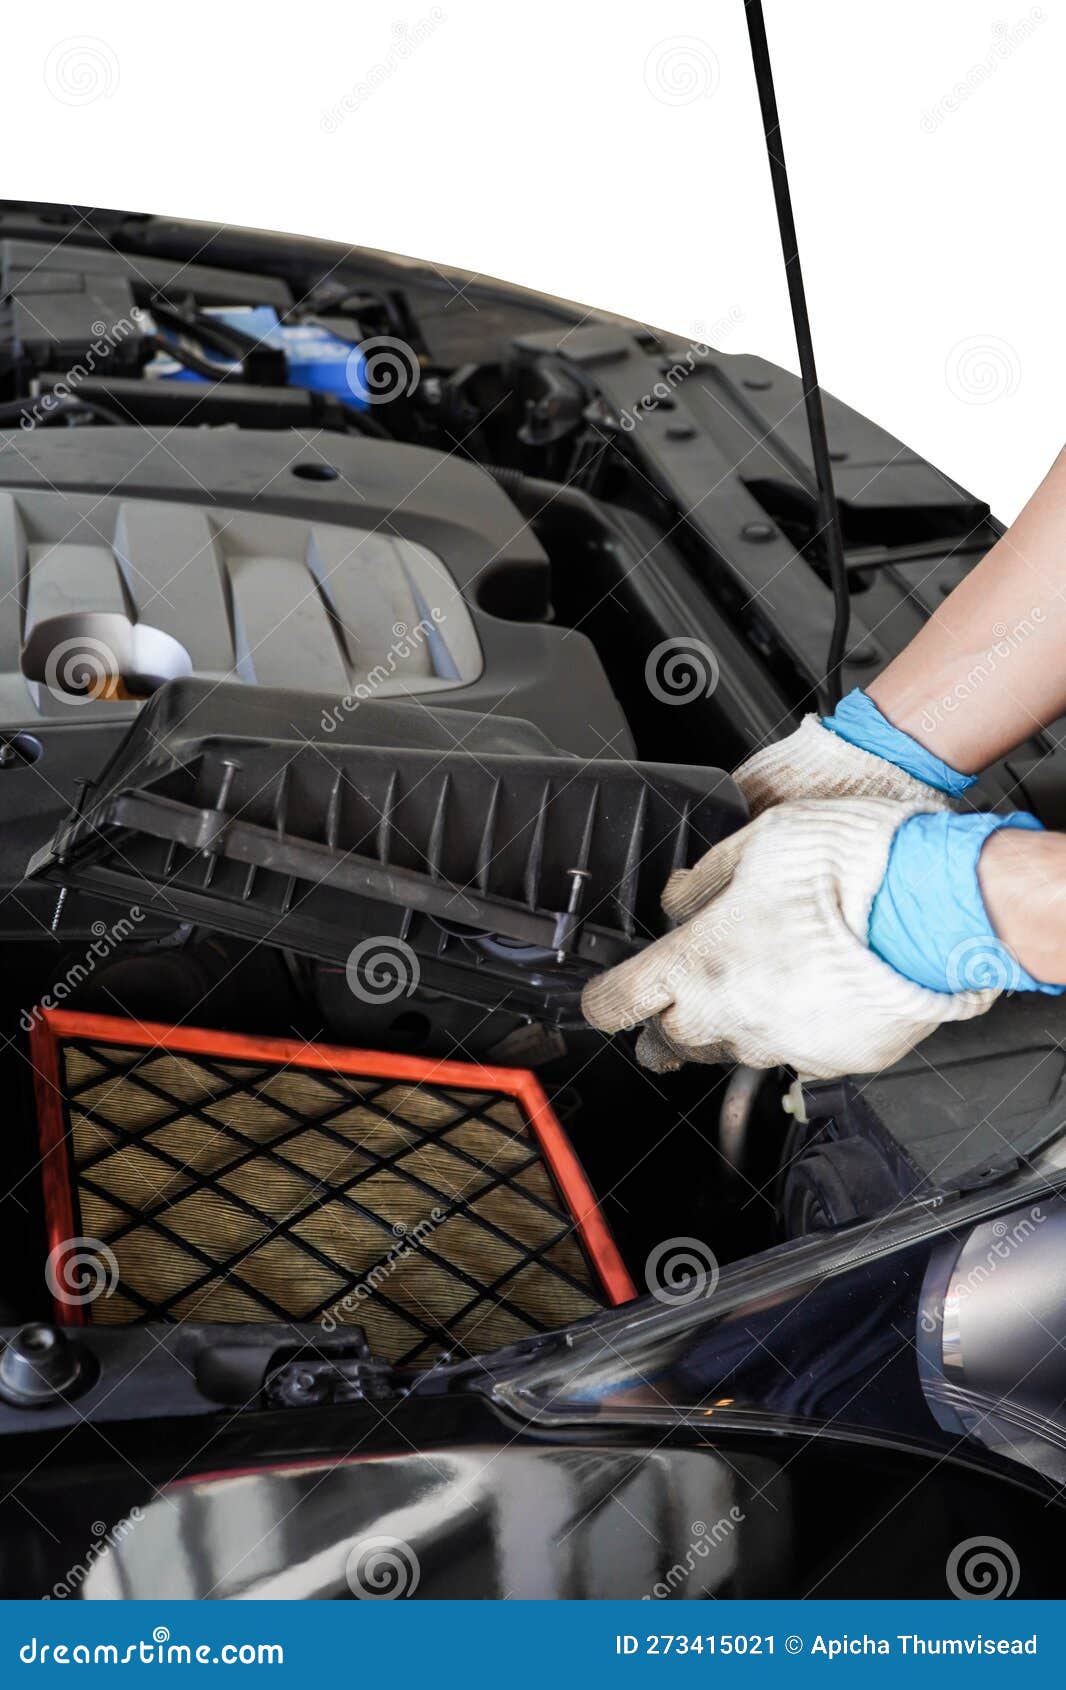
column 928, row 920
column 858, row 720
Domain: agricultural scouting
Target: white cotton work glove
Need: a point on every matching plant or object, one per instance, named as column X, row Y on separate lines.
column 814, row 762
column 770, row 965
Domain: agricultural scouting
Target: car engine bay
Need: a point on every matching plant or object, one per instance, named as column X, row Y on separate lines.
column 369, row 661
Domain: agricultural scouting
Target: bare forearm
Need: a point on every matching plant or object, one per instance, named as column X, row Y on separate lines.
column 989, row 667
column 1023, row 884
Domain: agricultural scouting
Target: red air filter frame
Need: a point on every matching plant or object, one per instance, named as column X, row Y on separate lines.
column 92, row 1114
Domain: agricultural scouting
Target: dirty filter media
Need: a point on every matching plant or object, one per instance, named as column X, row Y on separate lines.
column 437, row 1205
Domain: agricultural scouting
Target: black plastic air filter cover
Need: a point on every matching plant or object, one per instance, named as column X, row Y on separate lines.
column 416, row 846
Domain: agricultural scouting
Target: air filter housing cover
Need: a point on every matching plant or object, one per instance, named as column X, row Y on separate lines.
column 501, row 870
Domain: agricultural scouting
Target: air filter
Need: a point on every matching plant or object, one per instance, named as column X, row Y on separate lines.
column 437, row 1205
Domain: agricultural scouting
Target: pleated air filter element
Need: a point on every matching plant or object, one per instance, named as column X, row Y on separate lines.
column 438, row 1205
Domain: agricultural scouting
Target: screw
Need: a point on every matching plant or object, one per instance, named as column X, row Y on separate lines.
column 58, row 911
column 567, row 923
column 229, row 768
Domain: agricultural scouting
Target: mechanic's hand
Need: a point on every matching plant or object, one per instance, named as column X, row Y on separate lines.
column 855, row 753
column 771, row 965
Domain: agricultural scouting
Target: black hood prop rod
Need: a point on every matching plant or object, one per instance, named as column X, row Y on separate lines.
column 829, row 530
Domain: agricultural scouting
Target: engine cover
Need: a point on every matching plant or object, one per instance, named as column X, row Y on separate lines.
column 129, row 558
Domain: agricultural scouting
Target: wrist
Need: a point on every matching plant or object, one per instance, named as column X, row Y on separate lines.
column 859, row 721
column 948, row 920
column 1022, row 877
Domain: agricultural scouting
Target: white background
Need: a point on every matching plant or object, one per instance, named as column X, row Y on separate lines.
column 610, row 151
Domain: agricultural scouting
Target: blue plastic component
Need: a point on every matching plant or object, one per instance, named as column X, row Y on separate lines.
column 858, row 720
column 316, row 359
column 325, row 363
column 262, row 321
column 928, row 920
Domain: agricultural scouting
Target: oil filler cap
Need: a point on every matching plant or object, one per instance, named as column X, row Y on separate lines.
column 37, row 1365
